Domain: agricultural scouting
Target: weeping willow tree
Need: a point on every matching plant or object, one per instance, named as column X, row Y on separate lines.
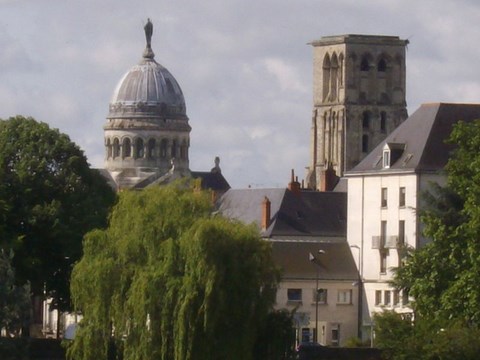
column 167, row 280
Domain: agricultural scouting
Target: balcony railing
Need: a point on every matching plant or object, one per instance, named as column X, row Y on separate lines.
column 385, row 242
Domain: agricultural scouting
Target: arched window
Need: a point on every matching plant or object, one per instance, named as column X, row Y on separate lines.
column 173, row 152
column 109, row 149
column 366, row 120
column 340, row 69
column 365, row 143
column 163, row 148
column 151, row 148
column 334, row 78
column 364, row 65
column 383, row 121
column 116, row 148
column 127, row 147
column 326, row 77
column 382, row 65
column 183, row 150
column 139, row 150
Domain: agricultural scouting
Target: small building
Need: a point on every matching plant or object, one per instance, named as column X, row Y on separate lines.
column 307, row 231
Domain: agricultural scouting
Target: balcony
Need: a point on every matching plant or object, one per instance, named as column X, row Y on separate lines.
column 385, row 242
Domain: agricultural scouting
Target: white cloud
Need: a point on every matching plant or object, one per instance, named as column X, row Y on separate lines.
column 244, row 67
column 286, row 75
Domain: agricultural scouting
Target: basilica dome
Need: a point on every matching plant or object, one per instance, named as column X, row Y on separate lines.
column 147, row 134
column 147, row 89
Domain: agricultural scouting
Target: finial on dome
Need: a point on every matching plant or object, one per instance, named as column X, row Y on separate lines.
column 148, row 53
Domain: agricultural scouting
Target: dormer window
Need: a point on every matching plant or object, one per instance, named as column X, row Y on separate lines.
column 386, row 158
column 392, row 152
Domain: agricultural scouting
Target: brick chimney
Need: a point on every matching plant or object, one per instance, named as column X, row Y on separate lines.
column 294, row 185
column 328, row 179
column 266, row 208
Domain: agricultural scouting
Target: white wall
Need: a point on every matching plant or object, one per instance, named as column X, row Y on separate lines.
column 365, row 215
column 330, row 315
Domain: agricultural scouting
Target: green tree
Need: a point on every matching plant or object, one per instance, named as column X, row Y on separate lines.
column 276, row 340
column 443, row 276
column 424, row 339
column 50, row 198
column 166, row 280
column 395, row 335
column 14, row 300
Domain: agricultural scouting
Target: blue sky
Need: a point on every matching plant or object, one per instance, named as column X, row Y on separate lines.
column 244, row 66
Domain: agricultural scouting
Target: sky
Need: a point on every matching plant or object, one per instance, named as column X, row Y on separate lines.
column 245, row 67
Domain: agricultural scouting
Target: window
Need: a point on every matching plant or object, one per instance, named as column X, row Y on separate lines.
column 378, row 297
column 321, row 296
column 306, row 335
column 401, row 232
column 109, row 149
column 127, row 148
column 366, row 120
column 151, row 148
column 383, row 234
column 365, row 143
column 163, row 149
column 139, row 150
column 387, row 297
column 364, row 65
column 173, row 152
column 401, row 197
column 384, row 197
column 382, row 65
column 335, row 335
column 344, row 297
column 116, row 148
column 386, row 158
column 383, row 122
column 396, row 297
column 294, row 294
column 183, row 150
column 383, row 262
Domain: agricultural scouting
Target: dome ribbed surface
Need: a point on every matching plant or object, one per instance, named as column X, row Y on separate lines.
column 147, row 89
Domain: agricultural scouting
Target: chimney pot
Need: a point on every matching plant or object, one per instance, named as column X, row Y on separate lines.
column 266, row 209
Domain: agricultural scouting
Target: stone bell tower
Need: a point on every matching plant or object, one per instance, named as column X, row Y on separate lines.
column 358, row 99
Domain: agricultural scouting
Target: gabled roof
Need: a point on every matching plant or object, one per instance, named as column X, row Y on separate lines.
column 336, row 263
column 423, row 135
column 301, row 215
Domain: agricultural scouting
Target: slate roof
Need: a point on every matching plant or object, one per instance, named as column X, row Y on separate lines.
column 211, row 180
column 301, row 223
column 336, row 263
column 423, row 135
column 300, row 216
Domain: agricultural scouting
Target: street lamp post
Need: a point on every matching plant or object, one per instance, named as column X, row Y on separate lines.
column 314, row 260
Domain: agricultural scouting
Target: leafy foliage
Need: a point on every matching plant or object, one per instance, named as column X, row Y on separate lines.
column 395, row 336
column 169, row 281
column 276, row 340
column 425, row 339
column 49, row 199
column 443, row 276
column 14, row 300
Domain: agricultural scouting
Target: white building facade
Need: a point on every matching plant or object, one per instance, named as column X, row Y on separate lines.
column 385, row 197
